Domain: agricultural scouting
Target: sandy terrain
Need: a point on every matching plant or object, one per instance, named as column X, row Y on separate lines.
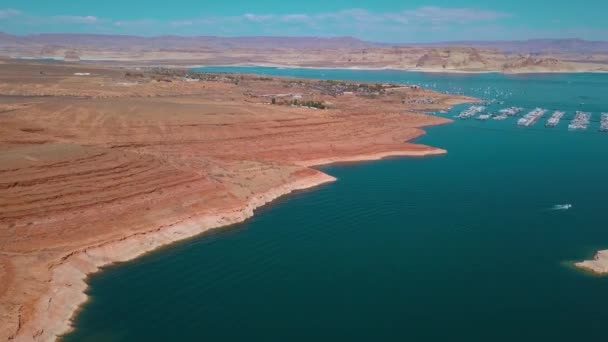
column 426, row 59
column 598, row 265
column 105, row 165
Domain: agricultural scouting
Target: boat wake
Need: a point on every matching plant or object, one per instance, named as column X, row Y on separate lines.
column 561, row 207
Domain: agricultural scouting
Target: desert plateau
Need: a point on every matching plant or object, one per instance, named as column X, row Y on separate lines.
column 100, row 164
column 303, row 171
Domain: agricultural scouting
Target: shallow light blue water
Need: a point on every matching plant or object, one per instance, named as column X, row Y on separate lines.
column 461, row 247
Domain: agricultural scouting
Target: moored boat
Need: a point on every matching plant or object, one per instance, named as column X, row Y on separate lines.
column 531, row 118
column 554, row 119
column 511, row 111
column 581, row 121
column 604, row 123
column 472, row 111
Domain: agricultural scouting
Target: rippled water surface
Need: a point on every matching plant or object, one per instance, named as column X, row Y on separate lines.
column 461, row 247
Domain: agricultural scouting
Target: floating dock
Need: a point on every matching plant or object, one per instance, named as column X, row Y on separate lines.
column 604, row 123
column 531, row 118
column 471, row 112
column 581, row 121
column 511, row 111
column 554, row 119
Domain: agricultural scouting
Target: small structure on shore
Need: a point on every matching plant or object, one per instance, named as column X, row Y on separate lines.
column 71, row 56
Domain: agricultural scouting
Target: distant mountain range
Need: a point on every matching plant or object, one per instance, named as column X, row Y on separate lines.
column 540, row 55
column 261, row 42
column 183, row 42
column 531, row 46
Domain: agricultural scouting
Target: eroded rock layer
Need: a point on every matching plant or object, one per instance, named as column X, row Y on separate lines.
column 99, row 165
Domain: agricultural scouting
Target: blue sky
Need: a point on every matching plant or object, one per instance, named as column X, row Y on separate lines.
column 377, row 20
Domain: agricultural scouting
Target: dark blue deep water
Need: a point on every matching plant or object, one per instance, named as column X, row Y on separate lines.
column 461, row 247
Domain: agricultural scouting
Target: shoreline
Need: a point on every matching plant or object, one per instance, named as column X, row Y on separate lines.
column 598, row 265
column 159, row 63
column 370, row 157
column 386, row 68
column 67, row 290
column 56, row 309
column 207, row 190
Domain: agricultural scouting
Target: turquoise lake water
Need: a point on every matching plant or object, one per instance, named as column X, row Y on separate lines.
column 461, row 247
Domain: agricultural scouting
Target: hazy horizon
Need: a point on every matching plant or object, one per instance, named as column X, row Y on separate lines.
column 303, row 37
column 387, row 21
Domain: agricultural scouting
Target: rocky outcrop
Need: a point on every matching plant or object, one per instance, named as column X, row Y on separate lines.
column 598, row 265
column 67, row 282
column 431, row 59
column 532, row 64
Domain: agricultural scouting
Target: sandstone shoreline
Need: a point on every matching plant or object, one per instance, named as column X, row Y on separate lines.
column 68, row 283
column 599, row 264
column 428, row 70
column 57, row 308
column 372, row 157
column 102, row 168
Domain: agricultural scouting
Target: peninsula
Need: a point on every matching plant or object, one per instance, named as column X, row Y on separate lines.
column 100, row 164
column 599, row 264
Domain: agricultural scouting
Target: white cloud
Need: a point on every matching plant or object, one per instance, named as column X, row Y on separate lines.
column 26, row 19
column 9, row 12
column 422, row 15
column 192, row 22
column 452, row 15
column 144, row 24
column 75, row 19
column 295, row 18
column 180, row 23
column 352, row 17
column 256, row 18
column 67, row 19
column 355, row 21
column 427, row 14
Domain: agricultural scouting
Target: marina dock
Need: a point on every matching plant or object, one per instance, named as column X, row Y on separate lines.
column 580, row 122
column 511, row 111
column 531, row 118
column 471, row 112
column 554, row 119
column 604, row 123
